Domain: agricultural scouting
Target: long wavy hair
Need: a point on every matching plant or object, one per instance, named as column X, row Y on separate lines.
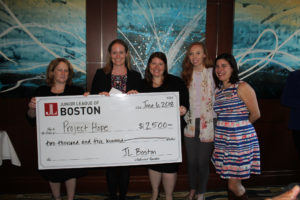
column 109, row 64
column 51, row 67
column 148, row 75
column 187, row 66
column 235, row 72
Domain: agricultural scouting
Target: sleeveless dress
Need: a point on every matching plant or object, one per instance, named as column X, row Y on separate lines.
column 236, row 154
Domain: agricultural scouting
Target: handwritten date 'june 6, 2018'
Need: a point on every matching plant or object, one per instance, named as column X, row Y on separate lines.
column 154, row 125
column 155, row 105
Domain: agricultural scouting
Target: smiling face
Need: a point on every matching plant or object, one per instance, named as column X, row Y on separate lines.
column 223, row 70
column 118, row 55
column 196, row 55
column 157, row 67
column 61, row 73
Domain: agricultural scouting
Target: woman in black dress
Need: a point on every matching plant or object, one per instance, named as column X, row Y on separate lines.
column 59, row 83
column 117, row 74
column 157, row 79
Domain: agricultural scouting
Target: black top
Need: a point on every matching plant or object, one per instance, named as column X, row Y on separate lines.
column 170, row 84
column 44, row 91
column 59, row 175
column 102, row 81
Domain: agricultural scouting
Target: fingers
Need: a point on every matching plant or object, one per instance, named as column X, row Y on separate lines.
column 295, row 191
column 132, row 92
column 32, row 103
column 86, row 94
column 100, row 93
column 182, row 110
column 289, row 195
column 104, row 93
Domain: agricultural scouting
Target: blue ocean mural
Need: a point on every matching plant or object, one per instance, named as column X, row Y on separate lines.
column 266, row 43
column 154, row 25
column 34, row 32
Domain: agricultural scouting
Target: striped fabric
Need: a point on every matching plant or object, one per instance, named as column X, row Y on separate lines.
column 236, row 154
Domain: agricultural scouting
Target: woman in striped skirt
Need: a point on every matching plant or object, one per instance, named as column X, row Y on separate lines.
column 236, row 154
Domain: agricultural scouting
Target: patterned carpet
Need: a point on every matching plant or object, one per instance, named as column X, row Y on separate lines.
column 253, row 193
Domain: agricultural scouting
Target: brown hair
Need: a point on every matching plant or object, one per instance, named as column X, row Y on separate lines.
column 148, row 75
column 51, row 67
column 109, row 65
column 234, row 78
column 187, row 66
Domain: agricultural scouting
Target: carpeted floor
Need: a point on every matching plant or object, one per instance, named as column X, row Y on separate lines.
column 259, row 193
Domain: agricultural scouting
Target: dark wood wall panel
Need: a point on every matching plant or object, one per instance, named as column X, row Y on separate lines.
column 101, row 29
column 225, row 26
column 278, row 155
column 219, row 26
column 211, row 36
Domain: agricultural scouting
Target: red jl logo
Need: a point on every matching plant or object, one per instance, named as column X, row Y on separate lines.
column 51, row 109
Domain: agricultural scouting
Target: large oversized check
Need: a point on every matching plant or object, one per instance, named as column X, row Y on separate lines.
column 98, row 131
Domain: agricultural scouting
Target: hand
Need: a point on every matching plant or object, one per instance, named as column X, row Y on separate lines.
column 248, row 96
column 32, row 103
column 182, row 110
column 32, row 107
column 132, row 92
column 289, row 195
column 104, row 93
column 86, row 94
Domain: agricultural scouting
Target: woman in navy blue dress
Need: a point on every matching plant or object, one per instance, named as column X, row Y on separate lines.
column 157, row 79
